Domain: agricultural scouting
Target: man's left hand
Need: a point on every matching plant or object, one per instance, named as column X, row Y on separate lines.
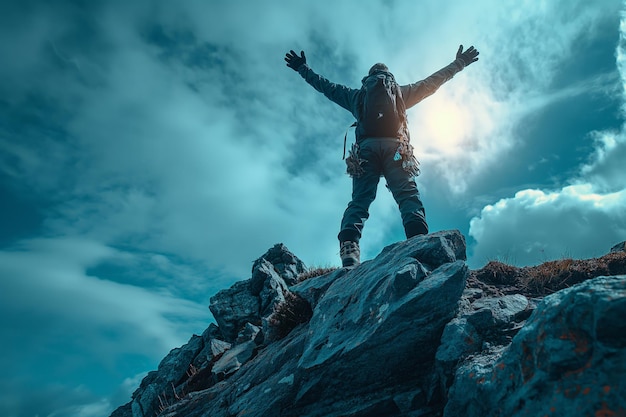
column 469, row 56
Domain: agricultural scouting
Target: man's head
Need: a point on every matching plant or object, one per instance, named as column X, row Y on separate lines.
column 378, row 67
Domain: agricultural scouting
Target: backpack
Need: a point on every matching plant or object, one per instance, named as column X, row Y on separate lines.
column 382, row 112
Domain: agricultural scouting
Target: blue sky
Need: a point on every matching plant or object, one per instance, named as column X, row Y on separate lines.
column 151, row 150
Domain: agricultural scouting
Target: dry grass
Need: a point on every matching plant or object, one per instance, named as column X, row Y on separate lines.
column 546, row 278
column 555, row 275
column 315, row 272
column 498, row 273
column 288, row 314
column 295, row 310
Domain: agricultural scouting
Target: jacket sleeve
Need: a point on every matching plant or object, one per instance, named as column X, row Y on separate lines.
column 416, row 92
column 344, row 96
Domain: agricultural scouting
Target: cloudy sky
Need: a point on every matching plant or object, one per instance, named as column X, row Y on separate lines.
column 151, row 150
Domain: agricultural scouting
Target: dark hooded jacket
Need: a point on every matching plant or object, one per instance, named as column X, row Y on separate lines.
column 349, row 98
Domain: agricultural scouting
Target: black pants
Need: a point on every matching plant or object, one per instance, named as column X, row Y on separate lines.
column 378, row 154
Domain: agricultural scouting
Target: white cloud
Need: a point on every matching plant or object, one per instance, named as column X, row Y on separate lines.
column 580, row 220
column 583, row 219
column 62, row 321
column 535, row 226
column 49, row 294
column 470, row 124
column 606, row 167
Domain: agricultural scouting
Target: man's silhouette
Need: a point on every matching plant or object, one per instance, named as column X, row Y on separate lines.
column 382, row 145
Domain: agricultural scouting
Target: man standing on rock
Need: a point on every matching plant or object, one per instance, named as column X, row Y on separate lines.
column 382, row 145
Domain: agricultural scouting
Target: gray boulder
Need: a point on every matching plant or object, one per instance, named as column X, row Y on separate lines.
column 459, row 339
column 313, row 288
column 482, row 327
column 232, row 360
column 218, row 347
column 367, row 350
column 497, row 311
column 206, row 354
column 240, row 312
column 268, row 287
column 254, row 300
column 248, row 333
column 286, row 264
column 568, row 359
column 263, row 386
column 410, row 333
column 157, row 387
column 234, row 307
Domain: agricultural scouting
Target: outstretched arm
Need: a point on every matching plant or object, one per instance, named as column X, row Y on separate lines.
column 340, row 94
column 416, row 92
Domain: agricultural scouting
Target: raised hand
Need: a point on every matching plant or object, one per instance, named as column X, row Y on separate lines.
column 469, row 56
column 294, row 61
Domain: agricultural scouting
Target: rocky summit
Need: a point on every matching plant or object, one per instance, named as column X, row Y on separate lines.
column 410, row 333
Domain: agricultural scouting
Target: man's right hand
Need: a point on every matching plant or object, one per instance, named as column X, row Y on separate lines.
column 294, row 61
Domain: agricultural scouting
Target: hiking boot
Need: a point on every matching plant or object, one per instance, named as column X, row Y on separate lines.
column 350, row 254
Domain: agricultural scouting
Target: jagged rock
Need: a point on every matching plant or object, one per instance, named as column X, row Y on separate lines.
column 250, row 332
column 459, row 340
column 620, row 247
column 161, row 387
column 313, row 288
column 368, row 348
column 401, row 336
column 286, row 263
column 355, row 326
column 207, row 352
column 232, row 360
column 268, row 286
column 391, row 334
column 482, row 323
column 171, row 373
column 238, row 311
column 497, row 311
column 253, row 300
column 294, row 311
column 234, row 307
column 176, row 363
column 377, row 305
column 218, row 347
column 261, row 387
column 569, row 359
